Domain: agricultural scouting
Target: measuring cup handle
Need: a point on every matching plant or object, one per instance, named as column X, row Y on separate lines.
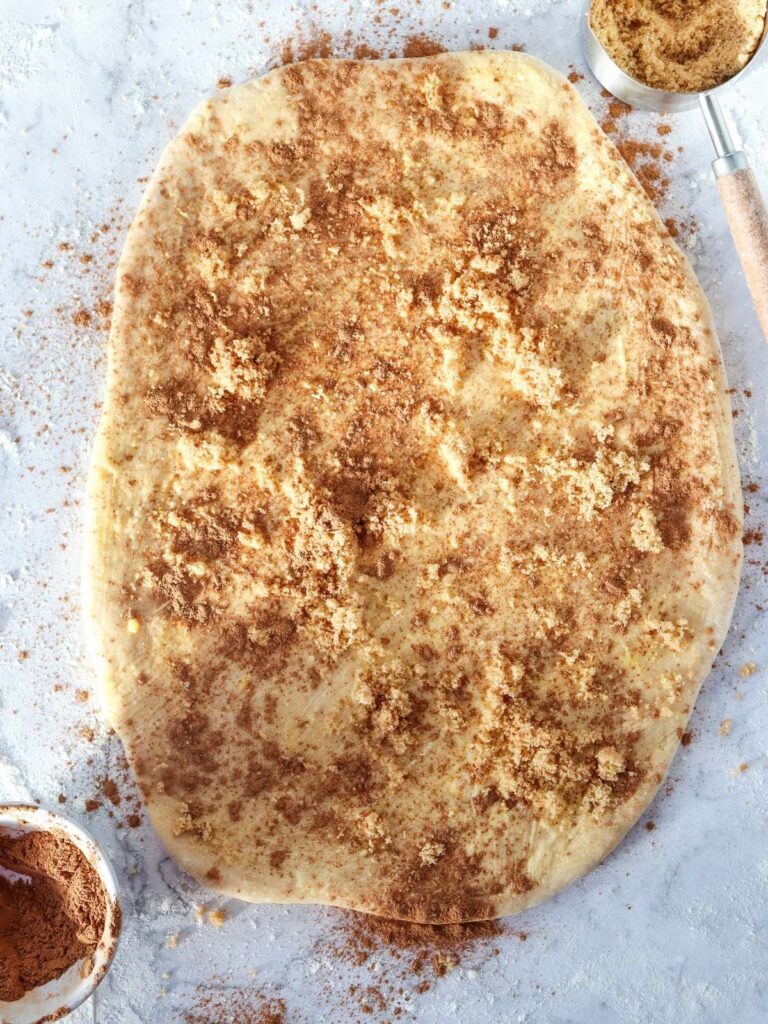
column 744, row 205
column 748, row 220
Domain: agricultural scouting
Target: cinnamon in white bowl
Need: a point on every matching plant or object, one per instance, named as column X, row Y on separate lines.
column 53, row 909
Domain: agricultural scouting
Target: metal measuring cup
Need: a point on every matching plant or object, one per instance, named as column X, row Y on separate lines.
column 744, row 206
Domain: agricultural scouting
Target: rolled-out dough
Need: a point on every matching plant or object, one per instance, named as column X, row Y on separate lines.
column 414, row 515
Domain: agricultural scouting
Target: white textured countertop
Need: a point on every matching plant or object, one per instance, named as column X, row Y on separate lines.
column 673, row 926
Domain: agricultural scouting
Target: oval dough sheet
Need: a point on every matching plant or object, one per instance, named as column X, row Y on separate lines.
column 414, row 516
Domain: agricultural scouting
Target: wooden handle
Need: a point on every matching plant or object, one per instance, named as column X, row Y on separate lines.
column 748, row 220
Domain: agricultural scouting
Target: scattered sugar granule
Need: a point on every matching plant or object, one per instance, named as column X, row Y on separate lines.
column 430, row 853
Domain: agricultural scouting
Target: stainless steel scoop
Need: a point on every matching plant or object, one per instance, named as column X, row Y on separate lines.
column 744, row 205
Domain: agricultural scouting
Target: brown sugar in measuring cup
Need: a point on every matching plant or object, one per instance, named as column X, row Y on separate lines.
column 744, row 206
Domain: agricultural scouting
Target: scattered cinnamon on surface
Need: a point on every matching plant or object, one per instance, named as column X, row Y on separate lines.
column 394, row 961
column 110, row 791
column 306, row 47
column 643, row 158
column 648, row 160
column 217, row 917
column 672, row 227
column 365, row 52
column 237, row 1008
column 420, row 45
column 314, row 43
column 53, row 909
column 617, row 109
column 364, row 934
column 681, row 228
column 81, row 318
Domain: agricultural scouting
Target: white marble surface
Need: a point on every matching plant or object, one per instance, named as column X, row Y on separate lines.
column 672, row 927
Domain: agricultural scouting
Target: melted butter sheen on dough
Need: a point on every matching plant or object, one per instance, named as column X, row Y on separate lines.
column 414, row 514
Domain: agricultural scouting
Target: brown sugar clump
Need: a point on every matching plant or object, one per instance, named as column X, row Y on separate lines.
column 679, row 45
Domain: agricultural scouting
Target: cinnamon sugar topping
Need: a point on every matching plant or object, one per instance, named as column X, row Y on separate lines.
column 424, row 421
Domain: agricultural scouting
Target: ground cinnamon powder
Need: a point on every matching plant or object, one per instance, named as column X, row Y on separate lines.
column 52, row 909
column 393, row 963
column 236, row 1008
column 390, row 966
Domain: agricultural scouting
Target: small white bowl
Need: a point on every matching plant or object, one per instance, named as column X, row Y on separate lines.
column 59, row 997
